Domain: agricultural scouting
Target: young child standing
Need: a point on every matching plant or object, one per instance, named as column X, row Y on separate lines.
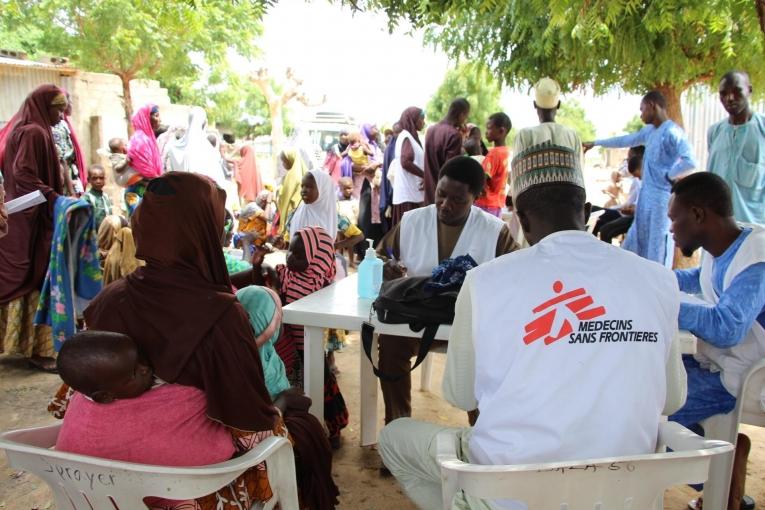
column 310, row 267
column 495, row 164
column 348, row 208
column 102, row 205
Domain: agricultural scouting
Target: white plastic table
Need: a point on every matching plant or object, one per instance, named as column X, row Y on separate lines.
column 338, row 306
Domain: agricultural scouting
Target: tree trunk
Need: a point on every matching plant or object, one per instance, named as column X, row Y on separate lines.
column 759, row 5
column 127, row 102
column 277, row 126
column 672, row 94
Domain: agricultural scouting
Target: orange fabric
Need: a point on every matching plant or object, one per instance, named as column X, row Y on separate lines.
column 495, row 167
column 247, row 175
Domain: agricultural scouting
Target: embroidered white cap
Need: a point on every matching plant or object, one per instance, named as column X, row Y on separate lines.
column 547, row 93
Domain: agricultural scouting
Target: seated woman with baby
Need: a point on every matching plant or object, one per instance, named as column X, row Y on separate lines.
column 170, row 372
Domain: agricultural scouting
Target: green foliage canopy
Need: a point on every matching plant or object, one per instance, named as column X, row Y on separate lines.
column 473, row 82
column 572, row 114
column 634, row 125
column 134, row 38
column 230, row 99
column 634, row 44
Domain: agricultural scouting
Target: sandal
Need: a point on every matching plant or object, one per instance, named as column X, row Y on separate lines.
column 747, row 503
column 47, row 365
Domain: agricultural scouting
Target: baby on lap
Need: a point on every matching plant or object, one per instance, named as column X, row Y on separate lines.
column 120, row 411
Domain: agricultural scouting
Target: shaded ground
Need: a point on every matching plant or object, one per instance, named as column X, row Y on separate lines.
column 24, row 395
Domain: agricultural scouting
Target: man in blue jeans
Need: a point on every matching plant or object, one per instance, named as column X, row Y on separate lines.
column 731, row 325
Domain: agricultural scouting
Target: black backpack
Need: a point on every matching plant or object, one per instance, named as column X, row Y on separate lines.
column 406, row 301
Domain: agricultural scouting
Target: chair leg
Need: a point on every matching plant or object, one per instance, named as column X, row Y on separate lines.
column 717, row 487
column 449, row 487
column 281, row 475
column 426, row 370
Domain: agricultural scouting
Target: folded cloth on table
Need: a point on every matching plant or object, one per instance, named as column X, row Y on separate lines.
column 450, row 274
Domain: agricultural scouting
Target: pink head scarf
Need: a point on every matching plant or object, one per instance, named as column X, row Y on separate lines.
column 143, row 150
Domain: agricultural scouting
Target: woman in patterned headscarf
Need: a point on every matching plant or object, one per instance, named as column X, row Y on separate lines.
column 29, row 163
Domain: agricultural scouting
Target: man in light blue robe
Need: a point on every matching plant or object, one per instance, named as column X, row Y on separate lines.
column 730, row 321
column 668, row 156
column 737, row 149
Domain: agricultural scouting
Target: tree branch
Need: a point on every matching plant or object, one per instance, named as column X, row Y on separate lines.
column 698, row 78
column 261, row 80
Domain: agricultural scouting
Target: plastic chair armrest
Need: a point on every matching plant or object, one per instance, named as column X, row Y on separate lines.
column 446, row 449
column 679, row 438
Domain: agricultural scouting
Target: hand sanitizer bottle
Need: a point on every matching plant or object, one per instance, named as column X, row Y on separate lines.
column 370, row 274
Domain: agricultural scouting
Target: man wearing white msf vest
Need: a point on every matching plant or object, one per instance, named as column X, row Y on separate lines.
column 451, row 227
column 731, row 327
column 567, row 348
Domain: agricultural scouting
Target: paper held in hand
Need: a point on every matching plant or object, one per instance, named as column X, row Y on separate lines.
column 25, row 202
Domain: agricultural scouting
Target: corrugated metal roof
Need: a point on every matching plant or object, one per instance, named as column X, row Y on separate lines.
column 17, row 82
column 30, row 64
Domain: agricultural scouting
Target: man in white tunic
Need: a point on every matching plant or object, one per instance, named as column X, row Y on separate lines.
column 547, row 103
column 451, row 227
column 561, row 363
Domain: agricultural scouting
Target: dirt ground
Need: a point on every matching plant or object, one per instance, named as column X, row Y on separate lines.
column 24, row 395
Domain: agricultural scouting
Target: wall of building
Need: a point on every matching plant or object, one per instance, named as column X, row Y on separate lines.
column 97, row 114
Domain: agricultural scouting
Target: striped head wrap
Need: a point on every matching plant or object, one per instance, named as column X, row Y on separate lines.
column 544, row 163
column 320, row 254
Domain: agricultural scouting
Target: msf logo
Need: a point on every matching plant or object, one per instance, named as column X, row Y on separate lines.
column 558, row 313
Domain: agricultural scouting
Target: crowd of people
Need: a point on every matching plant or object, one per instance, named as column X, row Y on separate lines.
column 155, row 313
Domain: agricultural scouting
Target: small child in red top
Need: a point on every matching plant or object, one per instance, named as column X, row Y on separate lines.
column 496, row 164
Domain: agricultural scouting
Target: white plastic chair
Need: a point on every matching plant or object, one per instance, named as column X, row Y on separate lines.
column 635, row 482
column 593, row 219
column 749, row 410
column 79, row 482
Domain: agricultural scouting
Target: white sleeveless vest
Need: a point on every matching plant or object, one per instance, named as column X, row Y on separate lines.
column 418, row 239
column 406, row 186
column 566, row 365
column 734, row 361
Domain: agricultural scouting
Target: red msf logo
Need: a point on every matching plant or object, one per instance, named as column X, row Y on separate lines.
column 578, row 305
